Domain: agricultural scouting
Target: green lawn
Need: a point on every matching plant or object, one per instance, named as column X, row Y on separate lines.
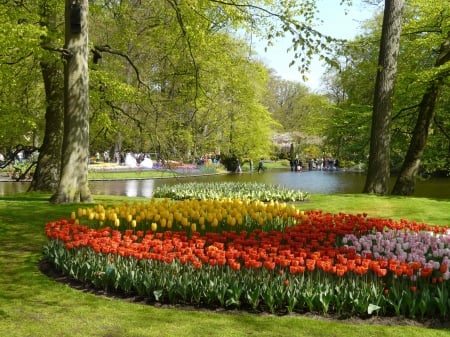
column 31, row 304
column 108, row 171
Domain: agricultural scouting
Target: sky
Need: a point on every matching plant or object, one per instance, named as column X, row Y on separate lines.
column 335, row 23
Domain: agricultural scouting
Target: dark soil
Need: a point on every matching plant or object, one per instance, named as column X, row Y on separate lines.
column 48, row 269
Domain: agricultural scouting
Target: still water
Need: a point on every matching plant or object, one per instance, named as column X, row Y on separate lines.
column 324, row 182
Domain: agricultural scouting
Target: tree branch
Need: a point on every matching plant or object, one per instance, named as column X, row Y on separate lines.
column 441, row 127
column 174, row 5
column 108, row 49
column 18, row 60
column 66, row 53
column 400, row 112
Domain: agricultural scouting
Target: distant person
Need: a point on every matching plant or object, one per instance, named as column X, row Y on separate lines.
column 260, row 165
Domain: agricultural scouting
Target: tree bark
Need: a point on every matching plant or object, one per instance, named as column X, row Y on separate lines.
column 73, row 184
column 46, row 175
column 378, row 174
column 406, row 181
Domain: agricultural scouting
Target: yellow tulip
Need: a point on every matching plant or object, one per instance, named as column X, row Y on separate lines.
column 260, row 221
column 133, row 223
column 117, row 222
column 232, row 221
column 178, row 216
column 72, row 215
column 154, row 226
column 193, row 227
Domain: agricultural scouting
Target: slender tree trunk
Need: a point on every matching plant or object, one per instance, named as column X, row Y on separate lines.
column 46, row 175
column 406, row 181
column 73, row 184
column 380, row 140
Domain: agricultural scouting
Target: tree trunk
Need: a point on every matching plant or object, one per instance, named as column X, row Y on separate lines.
column 406, row 181
column 46, row 175
column 73, row 184
column 378, row 174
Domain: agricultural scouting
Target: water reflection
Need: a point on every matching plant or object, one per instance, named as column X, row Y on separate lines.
column 12, row 187
column 129, row 188
column 323, row 182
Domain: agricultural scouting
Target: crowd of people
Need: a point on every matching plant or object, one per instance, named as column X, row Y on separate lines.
column 315, row 164
column 140, row 159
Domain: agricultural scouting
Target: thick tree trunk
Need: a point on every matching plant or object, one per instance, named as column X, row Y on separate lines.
column 406, row 181
column 46, row 175
column 378, row 174
column 73, row 184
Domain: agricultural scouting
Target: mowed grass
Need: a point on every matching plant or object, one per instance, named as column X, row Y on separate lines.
column 134, row 174
column 31, row 304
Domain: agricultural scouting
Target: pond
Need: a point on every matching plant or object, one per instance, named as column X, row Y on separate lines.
column 324, row 182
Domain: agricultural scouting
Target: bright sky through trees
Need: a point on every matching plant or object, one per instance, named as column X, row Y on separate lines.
column 333, row 21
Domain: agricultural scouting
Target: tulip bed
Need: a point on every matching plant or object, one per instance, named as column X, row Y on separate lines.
column 234, row 253
column 252, row 191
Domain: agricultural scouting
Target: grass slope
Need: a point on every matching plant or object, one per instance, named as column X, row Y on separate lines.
column 31, row 304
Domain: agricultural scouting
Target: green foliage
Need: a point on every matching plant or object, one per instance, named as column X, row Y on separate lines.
column 170, row 78
column 177, row 107
column 258, row 289
column 351, row 87
column 230, row 162
column 22, row 107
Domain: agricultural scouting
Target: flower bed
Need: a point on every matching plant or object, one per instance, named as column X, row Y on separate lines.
column 264, row 256
column 247, row 190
